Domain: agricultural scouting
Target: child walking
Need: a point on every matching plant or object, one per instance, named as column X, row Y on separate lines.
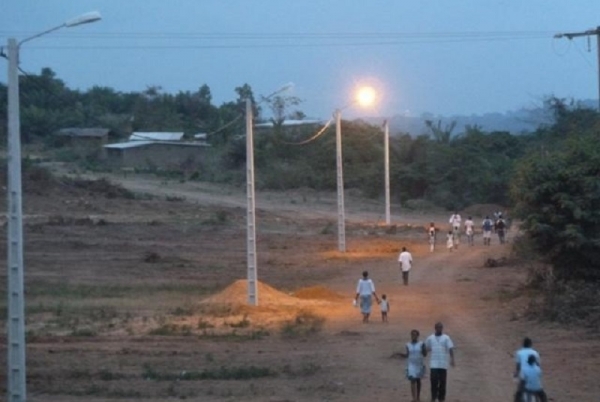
column 450, row 241
column 384, row 305
column 415, row 365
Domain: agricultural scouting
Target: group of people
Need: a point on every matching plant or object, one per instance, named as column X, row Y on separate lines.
column 438, row 345
column 440, row 348
column 498, row 225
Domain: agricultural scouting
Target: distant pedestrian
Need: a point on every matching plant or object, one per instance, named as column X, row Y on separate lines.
column 384, row 306
column 455, row 221
column 440, row 345
column 531, row 380
column 469, row 231
column 500, row 227
column 450, row 241
column 415, row 366
column 521, row 357
column 405, row 260
column 432, row 231
column 365, row 292
column 487, row 227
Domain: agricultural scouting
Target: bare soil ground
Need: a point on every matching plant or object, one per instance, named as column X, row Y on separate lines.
column 144, row 299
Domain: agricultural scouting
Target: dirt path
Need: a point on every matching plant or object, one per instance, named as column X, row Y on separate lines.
column 442, row 288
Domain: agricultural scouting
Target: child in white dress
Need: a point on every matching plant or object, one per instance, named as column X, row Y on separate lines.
column 415, row 366
column 384, row 305
column 450, row 241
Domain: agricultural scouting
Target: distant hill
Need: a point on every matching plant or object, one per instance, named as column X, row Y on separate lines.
column 516, row 122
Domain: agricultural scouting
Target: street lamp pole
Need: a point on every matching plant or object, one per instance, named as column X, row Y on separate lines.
column 16, row 373
column 251, row 219
column 252, row 272
column 386, row 157
column 340, row 182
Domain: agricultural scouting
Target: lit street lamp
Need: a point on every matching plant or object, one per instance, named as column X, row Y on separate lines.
column 16, row 300
column 252, row 274
column 365, row 97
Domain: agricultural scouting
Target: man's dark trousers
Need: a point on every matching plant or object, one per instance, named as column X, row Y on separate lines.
column 438, row 384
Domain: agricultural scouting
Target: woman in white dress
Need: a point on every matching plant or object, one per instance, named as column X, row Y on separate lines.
column 415, row 365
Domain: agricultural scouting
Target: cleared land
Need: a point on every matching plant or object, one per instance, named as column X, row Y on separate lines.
column 141, row 297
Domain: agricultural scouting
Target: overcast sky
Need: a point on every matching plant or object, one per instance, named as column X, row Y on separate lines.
column 438, row 56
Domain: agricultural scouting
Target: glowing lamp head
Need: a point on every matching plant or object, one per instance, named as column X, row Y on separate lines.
column 366, row 96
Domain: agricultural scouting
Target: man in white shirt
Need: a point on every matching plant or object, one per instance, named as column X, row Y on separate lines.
column 440, row 347
column 455, row 221
column 405, row 260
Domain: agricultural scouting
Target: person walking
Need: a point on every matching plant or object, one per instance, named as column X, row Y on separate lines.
column 500, row 228
column 469, row 231
column 441, row 346
column 450, row 241
column 455, row 221
column 432, row 232
column 521, row 357
column 365, row 292
column 405, row 260
column 487, row 226
column 384, row 306
column 531, row 380
column 415, row 366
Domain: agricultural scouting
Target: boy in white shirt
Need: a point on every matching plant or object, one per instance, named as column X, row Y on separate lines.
column 405, row 260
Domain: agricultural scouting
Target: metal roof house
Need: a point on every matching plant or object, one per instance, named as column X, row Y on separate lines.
column 156, row 136
column 155, row 151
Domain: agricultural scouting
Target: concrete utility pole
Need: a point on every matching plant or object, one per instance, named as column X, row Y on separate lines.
column 590, row 32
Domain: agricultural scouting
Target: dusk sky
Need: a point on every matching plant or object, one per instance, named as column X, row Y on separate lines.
column 438, row 56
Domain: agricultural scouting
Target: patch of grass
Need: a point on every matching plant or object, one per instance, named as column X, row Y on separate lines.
column 185, row 311
column 84, row 332
column 304, row 370
column 171, row 330
column 243, row 323
column 235, row 336
column 221, row 373
column 328, row 229
column 203, row 324
column 305, row 324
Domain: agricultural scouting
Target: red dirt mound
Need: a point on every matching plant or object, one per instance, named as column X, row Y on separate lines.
column 318, row 292
column 237, row 293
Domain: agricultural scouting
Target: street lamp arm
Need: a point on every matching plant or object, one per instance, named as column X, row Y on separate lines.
column 86, row 18
column 41, row 34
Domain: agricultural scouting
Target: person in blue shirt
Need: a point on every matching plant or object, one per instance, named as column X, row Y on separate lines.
column 531, row 380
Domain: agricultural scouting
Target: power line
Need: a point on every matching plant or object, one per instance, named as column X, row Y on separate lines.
column 588, row 33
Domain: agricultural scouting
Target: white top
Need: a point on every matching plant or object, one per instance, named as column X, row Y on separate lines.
column 431, row 231
column 469, row 226
column 365, row 287
column 384, row 306
column 523, row 354
column 440, row 347
column 455, row 220
column 405, row 259
column 532, row 375
column 415, row 361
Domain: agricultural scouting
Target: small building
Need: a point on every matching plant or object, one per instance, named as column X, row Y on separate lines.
column 82, row 142
column 156, row 136
column 165, row 155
